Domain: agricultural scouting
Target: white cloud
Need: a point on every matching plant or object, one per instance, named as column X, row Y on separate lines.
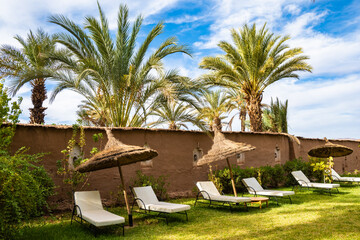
column 320, row 106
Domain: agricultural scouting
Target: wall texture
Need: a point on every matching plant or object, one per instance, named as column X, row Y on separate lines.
column 175, row 159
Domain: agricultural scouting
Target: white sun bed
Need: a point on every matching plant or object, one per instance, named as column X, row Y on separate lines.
column 88, row 207
column 210, row 193
column 146, row 200
column 253, row 187
column 338, row 178
column 304, row 182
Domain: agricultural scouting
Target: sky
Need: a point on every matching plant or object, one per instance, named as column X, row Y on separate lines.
column 324, row 103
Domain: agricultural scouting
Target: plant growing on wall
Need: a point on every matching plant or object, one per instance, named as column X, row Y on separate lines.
column 74, row 156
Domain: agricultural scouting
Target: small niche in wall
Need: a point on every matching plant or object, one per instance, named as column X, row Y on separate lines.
column 277, row 154
column 74, row 155
column 240, row 159
column 197, row 154
column 146, row 164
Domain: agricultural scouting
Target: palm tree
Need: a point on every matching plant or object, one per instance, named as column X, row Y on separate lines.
column 120, row 84
column 275, row 117
column 31, row 64
column 257, row 59
column 175, row 114
column 237, row 97
column 213, row 108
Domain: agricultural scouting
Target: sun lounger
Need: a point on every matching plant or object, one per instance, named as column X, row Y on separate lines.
column 209, row 192
column 146, row 200
column 304, row 182
column 255, row 188
column 336, row 177
column 88, row 207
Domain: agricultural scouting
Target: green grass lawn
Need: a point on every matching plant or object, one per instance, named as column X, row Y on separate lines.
column 312, row 215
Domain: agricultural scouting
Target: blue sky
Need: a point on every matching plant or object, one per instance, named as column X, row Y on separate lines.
column 324, row 103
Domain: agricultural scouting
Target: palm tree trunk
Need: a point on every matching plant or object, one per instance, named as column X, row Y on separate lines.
column 242, row 117
column 38, row 96
column 253, row 105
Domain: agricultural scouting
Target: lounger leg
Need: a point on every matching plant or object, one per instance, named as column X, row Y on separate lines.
column 246, row 207
column 230, row 207
column 290, row 200
column 277, row 203
column 195, row 201
column 186, row 216
column 123, row 227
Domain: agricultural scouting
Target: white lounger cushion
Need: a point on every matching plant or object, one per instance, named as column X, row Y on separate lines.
column 275, row 193
column 305, row 182
column 254, row 184
column 344, row 179
column 209, row 187
column 92, row 210
column 148, row 197
column 167, row 207
column 101, row 218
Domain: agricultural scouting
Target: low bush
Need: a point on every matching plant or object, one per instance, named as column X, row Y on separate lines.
column 267, row 176
column 24, row 185
column 159, row 184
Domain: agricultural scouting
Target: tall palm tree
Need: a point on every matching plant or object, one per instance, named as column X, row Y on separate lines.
column 30, row 64
column 119, row 82
column 257, row 59
column 214, row 107
column 275, row 117
column 175, row 114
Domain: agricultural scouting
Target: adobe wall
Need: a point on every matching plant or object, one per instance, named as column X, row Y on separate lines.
column 175, row 159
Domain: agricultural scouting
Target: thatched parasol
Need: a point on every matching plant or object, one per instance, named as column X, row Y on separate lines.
column 223, row 148
column 330, row 150
column 117, row 154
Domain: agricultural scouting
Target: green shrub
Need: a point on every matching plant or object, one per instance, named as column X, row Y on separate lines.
column 158, row 184
column 25, row 188
column 268, row 176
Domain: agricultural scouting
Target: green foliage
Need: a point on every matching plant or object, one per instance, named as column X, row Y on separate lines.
column 25, row 187
column 267, row 176
column 256, row 59
column 275, row 117
column 66, row 166
column 323, row 167
column 114, row 75
column 215, row 180
column 158, row 184
column 8, row 115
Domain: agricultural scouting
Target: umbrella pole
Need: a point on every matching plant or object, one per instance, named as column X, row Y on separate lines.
column 125, row 196
column 232, row 178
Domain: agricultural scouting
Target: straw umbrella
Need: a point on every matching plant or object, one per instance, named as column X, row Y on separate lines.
column 117, row 154
column 329, row 150
column 223, row 148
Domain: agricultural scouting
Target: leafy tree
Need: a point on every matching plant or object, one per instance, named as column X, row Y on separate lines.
column 9, row 116
column 275, row 117
column 117, row 79
column 30, row 64
column 256, row 60
column 213, row 107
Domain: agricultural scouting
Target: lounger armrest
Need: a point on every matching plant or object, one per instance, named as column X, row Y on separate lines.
column 203, row 191
column 78, row 213
column 300, row 182
column 251, row 189
column 138, row 199
column 335, row 178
